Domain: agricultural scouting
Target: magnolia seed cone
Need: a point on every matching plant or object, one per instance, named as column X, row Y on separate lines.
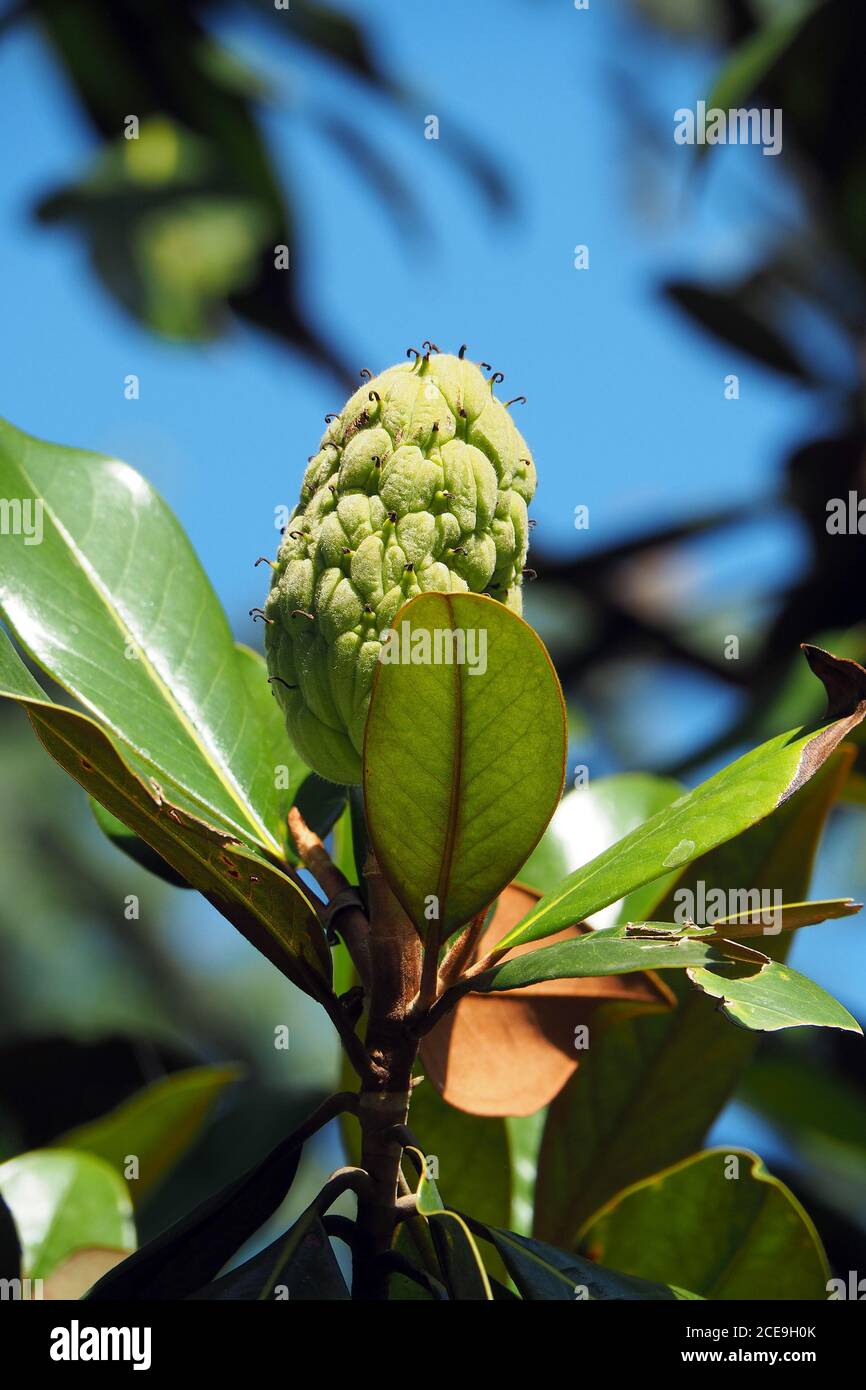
column 420, row 483
column 511, row 1053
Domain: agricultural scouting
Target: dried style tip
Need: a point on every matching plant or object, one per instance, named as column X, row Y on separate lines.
column 271, row 680
column 366, row 374
column 514, row 400
column 496, row 378
column 410, row 351
column 431, row 347
column 331, row 416
column 302, row 613
column 529, row 574
column 260, row 613
column 263, row 560
column 843, row 679
column 374, row 396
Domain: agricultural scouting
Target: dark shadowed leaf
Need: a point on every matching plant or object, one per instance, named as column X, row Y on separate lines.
column 544, row 1274
column 10, row 1250
column 189, row 1254
column 157, row 1125
column 300, row 1266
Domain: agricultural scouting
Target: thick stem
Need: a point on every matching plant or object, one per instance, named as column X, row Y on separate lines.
column 395, row 954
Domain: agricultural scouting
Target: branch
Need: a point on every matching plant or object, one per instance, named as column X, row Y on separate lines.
column 343, row 901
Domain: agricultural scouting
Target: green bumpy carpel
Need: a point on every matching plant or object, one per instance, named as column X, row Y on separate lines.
column 421, row 483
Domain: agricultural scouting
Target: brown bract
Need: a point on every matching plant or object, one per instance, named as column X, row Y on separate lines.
column 510, row 1053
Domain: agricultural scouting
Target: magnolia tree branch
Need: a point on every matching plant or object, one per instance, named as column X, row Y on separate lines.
column 343, row 909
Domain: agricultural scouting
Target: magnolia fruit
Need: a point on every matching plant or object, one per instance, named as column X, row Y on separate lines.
column 420, row 483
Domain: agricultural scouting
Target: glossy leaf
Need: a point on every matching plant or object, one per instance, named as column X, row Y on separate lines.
column 649, row 1088
column 115, row 606
column 459, row 1257
column 720, row 1224
column 256, row 897
column 300, row 1266
column 62, row 1202
column 545, row 1274
column 157, row 1125
column 763, row 922
column 609, row 951
column 463, row 766
column 736, row 798
column 774, row 997
column 587, row 821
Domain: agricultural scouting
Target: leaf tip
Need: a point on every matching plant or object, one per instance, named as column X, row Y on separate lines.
column 844, row 681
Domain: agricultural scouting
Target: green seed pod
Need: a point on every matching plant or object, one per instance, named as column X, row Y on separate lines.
column 420, row 483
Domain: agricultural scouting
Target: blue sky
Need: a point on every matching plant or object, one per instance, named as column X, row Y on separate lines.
column 625, row 412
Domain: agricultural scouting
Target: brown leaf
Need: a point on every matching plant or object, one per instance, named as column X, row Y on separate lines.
column 80, row 1271
column 511, row 1053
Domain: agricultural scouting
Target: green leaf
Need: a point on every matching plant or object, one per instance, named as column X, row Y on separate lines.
column 608, row 951
column 268, row 908
column 188, row 1255
column 774, row 997
column 720, row 1224
column 459, row 1256
column 543, row 1273
column 766, row 921
column 649, row 1088
column 300, row 1266
column 736, row 798
column 591, row 818
column 133, row 846
column 62, row 1202
column 157, row 1125
column 113, row 603
column 463, row 764
column 472, row 1153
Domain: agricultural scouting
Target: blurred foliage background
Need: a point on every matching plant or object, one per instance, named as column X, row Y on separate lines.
column 261, row 127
